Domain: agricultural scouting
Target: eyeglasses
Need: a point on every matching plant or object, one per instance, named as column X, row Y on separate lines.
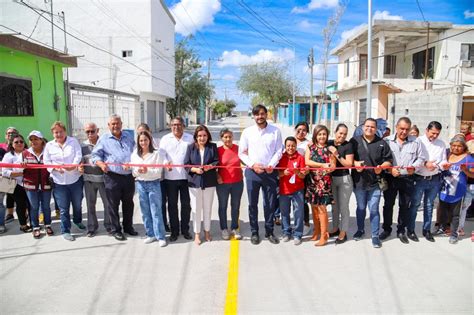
column 18, row 142
column 90, row 131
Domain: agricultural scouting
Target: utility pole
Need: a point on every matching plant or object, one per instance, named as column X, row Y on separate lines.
column 69, row 108
column 208, row 103
column 427, row 53
column 52, row 25
column 368, row 103
column 311, row 65
column 293, row 87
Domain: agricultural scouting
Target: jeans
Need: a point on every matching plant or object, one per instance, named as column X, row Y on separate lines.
column 297, row 198
column 430, row 189
column 2, row 209
column 65, row 196
column 149, row 195
column 466, row 203
column 269, row 184
column 371, row 198
column 235, row 191
column 39, row 200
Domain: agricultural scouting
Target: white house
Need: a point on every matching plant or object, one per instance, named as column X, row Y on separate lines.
column 140, row 32
column 398, row 65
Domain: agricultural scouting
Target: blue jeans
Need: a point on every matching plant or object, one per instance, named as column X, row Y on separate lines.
column 430, row 189
column 297, row 198
column 65, row 196
column 235, row 191
column 39, row 200
column 2, row 209
column 370, row 198
column 149, row 195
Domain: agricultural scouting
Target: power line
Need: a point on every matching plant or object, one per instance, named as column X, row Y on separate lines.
column 421, row 11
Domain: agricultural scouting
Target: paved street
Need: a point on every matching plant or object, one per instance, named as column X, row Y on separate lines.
column 102, row 275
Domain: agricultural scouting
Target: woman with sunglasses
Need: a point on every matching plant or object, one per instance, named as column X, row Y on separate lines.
column 16, row 146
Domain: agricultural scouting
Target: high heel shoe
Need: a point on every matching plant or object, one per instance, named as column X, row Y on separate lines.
column 335, row 233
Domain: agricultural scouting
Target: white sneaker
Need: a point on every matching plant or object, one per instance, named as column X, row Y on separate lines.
column 3, row 229
column 162, row 243
column 225, row 234
column 237, row 234
column 68, row 237
column 149, row 240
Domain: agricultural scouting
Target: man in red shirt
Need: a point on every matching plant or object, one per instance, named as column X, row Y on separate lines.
column 292, row 189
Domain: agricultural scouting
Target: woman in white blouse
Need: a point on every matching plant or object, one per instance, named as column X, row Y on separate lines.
column 149, row 188
column 16, row 146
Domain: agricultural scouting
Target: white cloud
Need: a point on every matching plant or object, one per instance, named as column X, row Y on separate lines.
column 307, row 25
column 236, row 58
column 385, row 15
column 468, row 14
column 191, row 15
column 319, row 68
column 316, row 4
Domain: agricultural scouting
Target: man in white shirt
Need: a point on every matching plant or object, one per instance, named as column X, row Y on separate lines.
column 173, row 147
column 260, row 149
column 428, row 177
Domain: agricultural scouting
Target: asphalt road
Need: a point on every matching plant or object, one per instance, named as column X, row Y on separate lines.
column 102, row 275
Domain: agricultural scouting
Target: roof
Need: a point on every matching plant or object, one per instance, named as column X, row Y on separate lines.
column 405, row 29
column 16, row 43
column 364, row 84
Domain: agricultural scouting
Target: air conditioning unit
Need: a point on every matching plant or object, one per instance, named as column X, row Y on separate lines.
column 466, row 64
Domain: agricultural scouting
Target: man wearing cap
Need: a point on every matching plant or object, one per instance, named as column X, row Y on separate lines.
column 428, row 176
column 93, row 181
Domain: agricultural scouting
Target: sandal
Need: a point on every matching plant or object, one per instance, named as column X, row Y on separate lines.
column 37, row 233
column 49, row 231
column 25, row 229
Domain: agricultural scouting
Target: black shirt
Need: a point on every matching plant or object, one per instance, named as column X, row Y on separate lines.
column 343, row 149
column 379, row 152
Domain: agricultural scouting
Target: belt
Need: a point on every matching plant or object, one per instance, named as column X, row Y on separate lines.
column 428, row 177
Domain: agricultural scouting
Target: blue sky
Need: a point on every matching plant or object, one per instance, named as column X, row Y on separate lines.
column 227, row 30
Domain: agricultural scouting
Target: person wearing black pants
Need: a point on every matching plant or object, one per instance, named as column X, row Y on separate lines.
column 173, row 188
column 120, row 188
column 164, row 199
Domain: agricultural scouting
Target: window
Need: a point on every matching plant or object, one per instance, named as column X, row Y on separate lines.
column 467, row 52
column 16, row 97
column 362, row 67
column 127, row 53
column 390, row 63
column 418, row 71
column 346, row 68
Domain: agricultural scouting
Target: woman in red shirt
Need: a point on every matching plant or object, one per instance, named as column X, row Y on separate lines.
column 230, row 182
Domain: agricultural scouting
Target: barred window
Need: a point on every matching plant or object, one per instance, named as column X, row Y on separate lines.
column 16, row 97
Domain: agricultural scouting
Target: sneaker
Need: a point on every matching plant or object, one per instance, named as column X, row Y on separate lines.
column 68, row 237
column 358, row 235
column 286, row 238
column 438, row 232
column 306, row 229
column 225, row 234
column 49, row 231
column 149, row 240
column 3, row 229
column 9, row 218
column 237, row 234
column 80, row 226
column 41, row 218
column 162, row 243
column 298, row 241
column 376, row 243
column 453, row 240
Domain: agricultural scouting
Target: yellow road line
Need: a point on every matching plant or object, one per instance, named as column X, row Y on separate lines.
column 232, row 279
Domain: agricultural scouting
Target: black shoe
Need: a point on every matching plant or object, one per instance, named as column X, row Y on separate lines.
column 187, row 236
column 90, row 234
column 413, row 237
column 109, row 231
column 173, row 238
column 384, row 235
column 403, row 238
column 119, row 236
column 335, row 233
column 428, row 236
column 255, row 239
column 167, row 228
column 358, row 235
column 272, row 239
column 131, row 232
column 9, row 218
column 376, row 242
column 439, row 232
column 341, row 241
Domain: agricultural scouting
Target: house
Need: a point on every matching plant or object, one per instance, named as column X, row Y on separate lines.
column 140, row 32
column 398, row 66
column 32, row 92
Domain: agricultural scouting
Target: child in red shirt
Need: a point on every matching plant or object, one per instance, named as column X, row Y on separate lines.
column 292, row 189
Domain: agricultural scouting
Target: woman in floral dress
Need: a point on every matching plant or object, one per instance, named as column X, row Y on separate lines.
column 319, row 192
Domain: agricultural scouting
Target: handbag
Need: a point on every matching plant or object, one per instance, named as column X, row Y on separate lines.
column 7, row 185
column 381, row 181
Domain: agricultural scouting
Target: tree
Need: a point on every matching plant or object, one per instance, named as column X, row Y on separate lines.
column 224, row 107
column 267, row 83
column 190, row 84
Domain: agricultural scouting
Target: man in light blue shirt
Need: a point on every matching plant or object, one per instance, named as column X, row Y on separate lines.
column 113, row 149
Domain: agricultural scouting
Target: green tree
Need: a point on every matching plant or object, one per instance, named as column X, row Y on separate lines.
column 224, row 107
column 267, row 83
column 190, row 84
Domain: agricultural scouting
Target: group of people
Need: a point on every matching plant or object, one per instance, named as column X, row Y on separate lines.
column 291, row 174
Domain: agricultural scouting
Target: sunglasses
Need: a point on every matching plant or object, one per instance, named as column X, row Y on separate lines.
column 18, row 142
column 90, row 131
